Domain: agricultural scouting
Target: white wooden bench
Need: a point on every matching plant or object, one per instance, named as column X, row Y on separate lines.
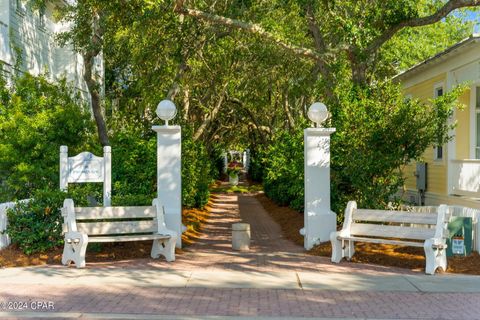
column 391, row 227
column 83, row 225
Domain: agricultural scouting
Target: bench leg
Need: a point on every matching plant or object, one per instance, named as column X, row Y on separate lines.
column 164, row 247
column 74, row 249
column 337, row 247
column 435, row 257
column 350, row 249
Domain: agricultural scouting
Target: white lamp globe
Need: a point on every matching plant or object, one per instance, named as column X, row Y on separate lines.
column 166, row 110
column 318, row 113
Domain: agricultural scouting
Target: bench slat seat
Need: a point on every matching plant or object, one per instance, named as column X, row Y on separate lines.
column 395, row 216
column 390, row 231
column 116, row 227
column 389, row 241
column 86, row 213
column 142, row 237
column 115, row 224
column 395, row 228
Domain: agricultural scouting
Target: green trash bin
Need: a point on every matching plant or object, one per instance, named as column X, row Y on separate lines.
column 459, row 240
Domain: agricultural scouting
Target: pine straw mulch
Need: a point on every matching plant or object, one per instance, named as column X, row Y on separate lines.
column 386, row 255
column 12, row 256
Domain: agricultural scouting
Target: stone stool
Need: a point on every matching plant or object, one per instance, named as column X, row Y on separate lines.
column 241, row 236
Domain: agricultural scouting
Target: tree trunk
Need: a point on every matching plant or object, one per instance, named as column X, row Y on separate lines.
column 212, row 114
column 286, row 107
column 186, row 103
column 93, row 89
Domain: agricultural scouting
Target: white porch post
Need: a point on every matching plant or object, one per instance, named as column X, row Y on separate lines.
column 169, row 164
column 320, row 221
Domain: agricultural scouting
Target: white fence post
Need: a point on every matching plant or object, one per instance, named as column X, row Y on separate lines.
column 107, row 179
column 4, row 239
column 63, row 168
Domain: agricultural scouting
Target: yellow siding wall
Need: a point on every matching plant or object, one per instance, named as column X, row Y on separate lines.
column 436, row 169
column 462, row 131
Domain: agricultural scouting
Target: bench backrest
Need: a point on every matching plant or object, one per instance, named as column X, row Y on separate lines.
column 96, row 221
column 395, row 224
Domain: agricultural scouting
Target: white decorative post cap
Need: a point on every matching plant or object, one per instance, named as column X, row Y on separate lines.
column 166, row 110
column 318, row 113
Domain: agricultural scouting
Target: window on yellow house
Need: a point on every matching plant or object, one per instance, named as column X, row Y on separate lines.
column 438, row 150
column 477, row 122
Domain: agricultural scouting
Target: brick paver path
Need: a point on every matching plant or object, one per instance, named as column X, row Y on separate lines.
column 269, row 252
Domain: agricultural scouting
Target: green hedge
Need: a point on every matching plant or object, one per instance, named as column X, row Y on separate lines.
column 283, row 169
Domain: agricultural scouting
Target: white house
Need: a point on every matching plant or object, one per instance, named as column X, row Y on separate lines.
column 27, row 44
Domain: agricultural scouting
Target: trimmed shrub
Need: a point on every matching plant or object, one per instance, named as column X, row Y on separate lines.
column 36, row 226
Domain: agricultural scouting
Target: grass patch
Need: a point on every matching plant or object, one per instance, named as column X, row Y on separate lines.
column 219, row 188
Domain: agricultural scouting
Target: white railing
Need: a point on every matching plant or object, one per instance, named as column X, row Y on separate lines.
column 4, row 238
column 465, row 177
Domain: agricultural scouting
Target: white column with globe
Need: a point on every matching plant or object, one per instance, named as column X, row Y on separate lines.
column 319, row 220
column 169, row 175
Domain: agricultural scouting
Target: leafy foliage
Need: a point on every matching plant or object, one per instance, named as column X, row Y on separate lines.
column 379, row 132
column 283, row 169
column 36, row 118
column 36, row 225
column 196, row 173
column 134, row 163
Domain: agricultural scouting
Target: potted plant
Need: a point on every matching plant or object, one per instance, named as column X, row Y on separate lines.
column 232, row 171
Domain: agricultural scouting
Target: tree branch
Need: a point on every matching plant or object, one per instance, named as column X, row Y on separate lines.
column 249, row 27
column 212, row 115
column 421, row 21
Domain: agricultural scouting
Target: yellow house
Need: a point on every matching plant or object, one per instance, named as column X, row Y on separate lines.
column 452, row 171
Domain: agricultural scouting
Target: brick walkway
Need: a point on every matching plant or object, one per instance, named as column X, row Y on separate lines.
column 269, row 253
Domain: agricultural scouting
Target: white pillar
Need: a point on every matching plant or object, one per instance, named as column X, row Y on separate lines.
column 320, row 221
column 63, row 168
column 225, row 163
column 169, row 176
column 107, row 178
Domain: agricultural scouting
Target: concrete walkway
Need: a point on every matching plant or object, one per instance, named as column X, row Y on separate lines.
column 211, row 281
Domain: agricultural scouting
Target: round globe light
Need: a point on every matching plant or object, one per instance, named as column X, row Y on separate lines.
column 166, row 110
column 318, row 113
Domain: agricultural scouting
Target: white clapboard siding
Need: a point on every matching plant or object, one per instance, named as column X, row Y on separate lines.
column 376, row 230
column 118, row 227
column 85, row 213
column 394, row 216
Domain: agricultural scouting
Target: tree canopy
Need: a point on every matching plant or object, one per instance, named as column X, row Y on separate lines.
column 244, row 72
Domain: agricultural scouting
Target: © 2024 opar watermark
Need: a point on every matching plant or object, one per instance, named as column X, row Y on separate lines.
column 34, row 305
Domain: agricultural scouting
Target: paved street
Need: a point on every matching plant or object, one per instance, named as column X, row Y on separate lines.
column 210, row 281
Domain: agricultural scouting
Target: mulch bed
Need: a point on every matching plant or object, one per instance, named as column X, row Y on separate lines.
column 386, row 255
column 12, row 256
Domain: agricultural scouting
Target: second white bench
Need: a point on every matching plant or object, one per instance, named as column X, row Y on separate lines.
column 83, row 225
column 392, row 227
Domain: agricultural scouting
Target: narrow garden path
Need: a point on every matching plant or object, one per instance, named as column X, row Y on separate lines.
column 269, row 250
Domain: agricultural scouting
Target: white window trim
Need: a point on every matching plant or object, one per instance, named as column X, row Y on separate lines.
column 441, row 160
column 473, row 118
